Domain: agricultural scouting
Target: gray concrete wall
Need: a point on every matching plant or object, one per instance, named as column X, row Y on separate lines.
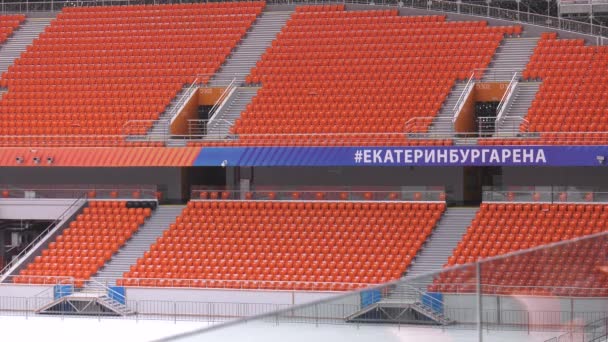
column 166, row 178
column 25, row 298
column 235, row 303
column 450, row 178
column 33, row 209
column 547, row 176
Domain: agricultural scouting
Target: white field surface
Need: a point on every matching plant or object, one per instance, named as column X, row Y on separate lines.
column 76, row 329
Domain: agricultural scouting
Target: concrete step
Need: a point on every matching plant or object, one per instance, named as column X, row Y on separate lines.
column 439, row 246
column 25, row 34
column 251, row 48
column 139, row 243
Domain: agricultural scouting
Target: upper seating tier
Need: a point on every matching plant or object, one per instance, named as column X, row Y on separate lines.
column 95, row 69
column 569, row 107
column 352, row 73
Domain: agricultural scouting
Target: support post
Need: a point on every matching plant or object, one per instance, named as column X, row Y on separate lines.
column 479, row 304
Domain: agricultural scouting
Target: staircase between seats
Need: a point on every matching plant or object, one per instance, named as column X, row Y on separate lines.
column 261, row 34
column 25, row 34
column 139, row 243
column 512, row 55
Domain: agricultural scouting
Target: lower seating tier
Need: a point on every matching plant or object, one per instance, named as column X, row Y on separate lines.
column 86, row 245
column 499, row 228
column 287, row 245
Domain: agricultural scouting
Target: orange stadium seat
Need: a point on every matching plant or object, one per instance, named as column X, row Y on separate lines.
column 287, row 245
column 335, row 77
column 86, row 245
column 570, row 106
column 94, row 69
column 502, row 228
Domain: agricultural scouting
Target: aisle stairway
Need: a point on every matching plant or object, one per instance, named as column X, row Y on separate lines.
column 21, row 38
column 525, row 92
column 225, row 117
column 251, row 48
column 139, row 243
column 512, row 55
column 438, row 248
column 405, row 303
column 442, row 123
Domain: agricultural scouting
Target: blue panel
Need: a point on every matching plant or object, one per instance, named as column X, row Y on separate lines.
column 117, row 293
column 370, row 297
column 60, row 291
column 433, row 300
column 406, row 156
column 216, row 155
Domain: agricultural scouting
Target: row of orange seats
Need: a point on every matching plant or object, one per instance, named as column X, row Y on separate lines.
column 552, row 232
column 85, row 246
column 318, row 251
column 88, row 140
column 322, row 8
column 135, row 14
column 572, row 270
column 162, row 73
column 565, row 65
column 284, row 141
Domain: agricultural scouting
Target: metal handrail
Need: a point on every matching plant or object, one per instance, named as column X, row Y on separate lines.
column 145, row 125
column 502, row 106
column 42, row 235
column 201, row 127
column 413, row 125
column 487, row 289
column 76, row 190
column 181, row 102
column 463, row 96
column 220, row 101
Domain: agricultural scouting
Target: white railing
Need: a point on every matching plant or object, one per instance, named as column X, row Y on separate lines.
column 506, row 99
column 484, row 11
column 201, row 129
column 146, row 130
column 463, row 97
column 183, row 100
column 54, row 225
column 226, row 94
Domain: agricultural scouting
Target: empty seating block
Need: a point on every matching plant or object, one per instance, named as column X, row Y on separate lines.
column 99, row 73
column 335, row 77
column 501, row 228
column 571, row 99
column 286, row 245
column 87, row 244
column 8, row 24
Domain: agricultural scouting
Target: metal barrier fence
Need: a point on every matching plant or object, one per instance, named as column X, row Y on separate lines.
column 92, row 191
column 432, row 194
column 545, row 194
column 487, row 11
column 320, row 313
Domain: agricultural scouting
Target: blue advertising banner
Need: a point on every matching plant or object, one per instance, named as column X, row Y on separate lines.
column 405, row 156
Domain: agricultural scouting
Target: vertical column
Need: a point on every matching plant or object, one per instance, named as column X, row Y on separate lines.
column 479, row 303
